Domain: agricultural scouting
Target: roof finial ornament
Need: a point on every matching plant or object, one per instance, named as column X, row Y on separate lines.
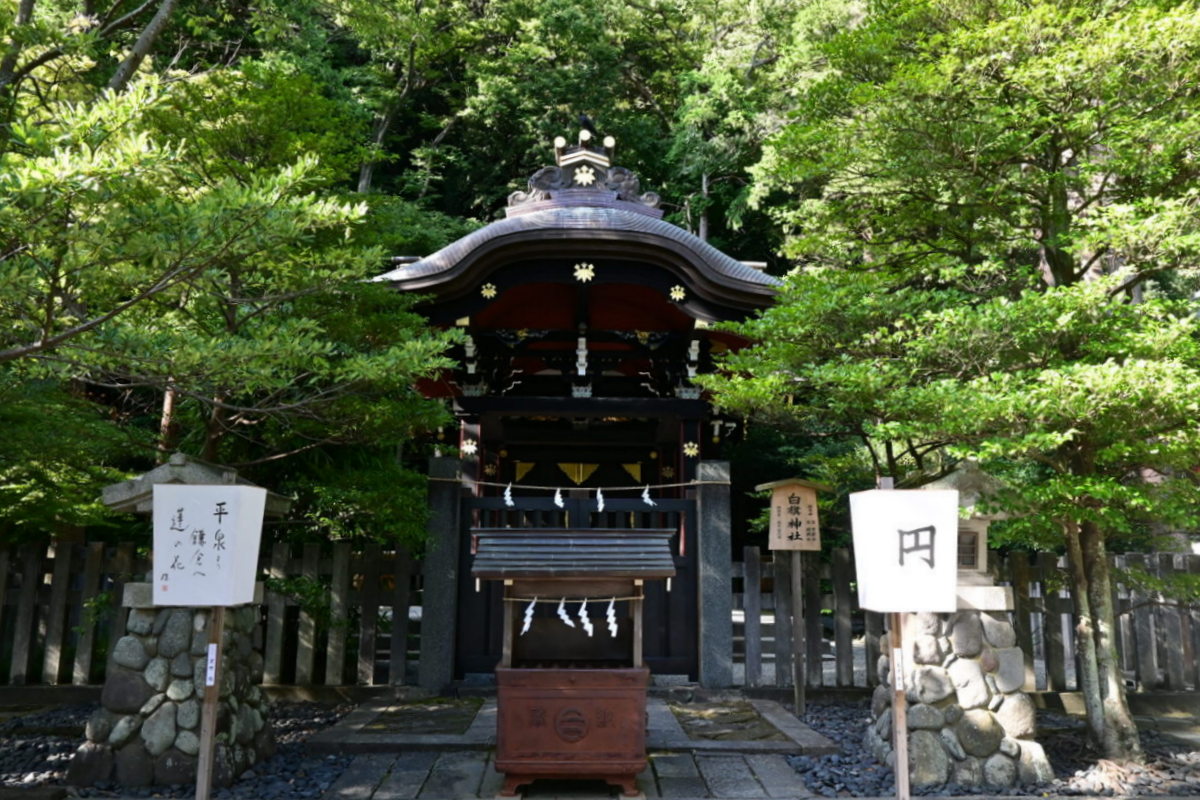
column 584, row 171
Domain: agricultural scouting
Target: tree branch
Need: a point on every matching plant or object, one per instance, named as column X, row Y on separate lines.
column 49, row 342
column 141, row 48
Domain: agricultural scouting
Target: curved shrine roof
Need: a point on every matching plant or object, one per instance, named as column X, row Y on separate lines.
column 585, row 208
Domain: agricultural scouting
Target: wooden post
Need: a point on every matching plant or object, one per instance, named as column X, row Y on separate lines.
column 208, row 712
column 506, row 652
column 899, row 706
column 635, row 607
column 799, row 662
column 752, row 608
column 899, row 700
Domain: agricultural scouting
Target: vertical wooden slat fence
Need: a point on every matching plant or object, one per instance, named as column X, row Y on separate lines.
column 307, row 644
column 813, row 642
column 401, row 602
column 52, row 656
column 339, row 606
column 1191, row 620
column 354, row 625
column 276, row 609
column 82, row 668
column 764, row 627
column 1158, row 639
column 369, row 618
column 60, row 612
column 26, row 607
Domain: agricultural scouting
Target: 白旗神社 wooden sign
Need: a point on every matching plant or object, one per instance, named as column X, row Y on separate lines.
column 794, row 522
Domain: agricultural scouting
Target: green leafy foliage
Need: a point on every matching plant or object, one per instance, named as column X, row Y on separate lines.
column 991, row 208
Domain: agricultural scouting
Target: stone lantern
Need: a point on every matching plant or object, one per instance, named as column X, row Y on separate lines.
column 147, row 729
column 969, row 721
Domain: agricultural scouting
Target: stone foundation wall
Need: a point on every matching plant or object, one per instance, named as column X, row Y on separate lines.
column 148, row 729
column 969, row 723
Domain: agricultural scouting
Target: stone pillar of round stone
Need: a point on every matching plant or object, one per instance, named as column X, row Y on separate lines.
column 969, row 722
column 147, row 731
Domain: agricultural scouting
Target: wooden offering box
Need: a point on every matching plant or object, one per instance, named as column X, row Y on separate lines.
column 569, row 704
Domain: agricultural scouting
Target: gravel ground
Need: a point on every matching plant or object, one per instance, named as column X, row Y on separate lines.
column 36, row 748
column 1171, row 768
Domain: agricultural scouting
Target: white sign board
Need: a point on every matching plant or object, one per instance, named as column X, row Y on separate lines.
column 206, row 543
column 906, row 549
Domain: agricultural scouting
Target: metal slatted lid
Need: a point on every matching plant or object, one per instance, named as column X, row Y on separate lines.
column 572, row 553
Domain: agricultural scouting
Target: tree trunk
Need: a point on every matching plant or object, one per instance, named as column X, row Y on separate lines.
column 1120, row 740
column 168, row 426
column 1085, row 642
column 141, row 48
column 1058, row 262
column 214, row 431
column 8, row 64
column 366, row 171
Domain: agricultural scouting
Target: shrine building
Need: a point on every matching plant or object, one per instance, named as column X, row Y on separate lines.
column 586, row 316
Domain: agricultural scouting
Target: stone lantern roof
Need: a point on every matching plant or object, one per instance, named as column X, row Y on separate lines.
column 136, row 495
column 973, row 486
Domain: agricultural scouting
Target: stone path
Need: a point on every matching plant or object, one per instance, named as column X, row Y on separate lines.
column 359, row 732
column 394, row 764
column 466, row 775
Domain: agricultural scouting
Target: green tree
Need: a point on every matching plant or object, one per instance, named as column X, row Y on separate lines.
column 179, row 245
column 986, row 199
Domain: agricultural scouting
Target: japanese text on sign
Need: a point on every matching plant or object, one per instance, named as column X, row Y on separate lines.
column 794, row 522
column 195, row 550
column 902, row 562
column 206, row 543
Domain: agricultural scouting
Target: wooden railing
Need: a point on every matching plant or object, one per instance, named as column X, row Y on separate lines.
column 1158, row 638
column 345, row 617
column 333, row 615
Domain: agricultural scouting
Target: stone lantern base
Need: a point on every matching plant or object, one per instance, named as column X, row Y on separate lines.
column 148, row 729
column 969, row 723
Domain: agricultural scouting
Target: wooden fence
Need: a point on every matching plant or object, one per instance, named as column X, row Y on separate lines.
column 1158, row 639
column 343, row 619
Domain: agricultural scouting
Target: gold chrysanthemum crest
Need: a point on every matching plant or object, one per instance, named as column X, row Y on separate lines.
column 585, row 175
column 584, row 272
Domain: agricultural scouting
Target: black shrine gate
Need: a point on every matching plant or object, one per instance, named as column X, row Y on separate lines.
column 585, row 317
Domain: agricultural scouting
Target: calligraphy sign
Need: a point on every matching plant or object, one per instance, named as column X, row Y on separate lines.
column 794, row 524
column 206, row 543
column 906, row 549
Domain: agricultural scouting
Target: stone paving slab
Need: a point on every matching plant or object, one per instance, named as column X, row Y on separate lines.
column 406, row 776
column 728, row 776
column 776, row 776
column 357, row 733
column 397, row 765
column 663, row 732
column 456, row 776
column 352, row 733
column 471, row 775
column 360, row 780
